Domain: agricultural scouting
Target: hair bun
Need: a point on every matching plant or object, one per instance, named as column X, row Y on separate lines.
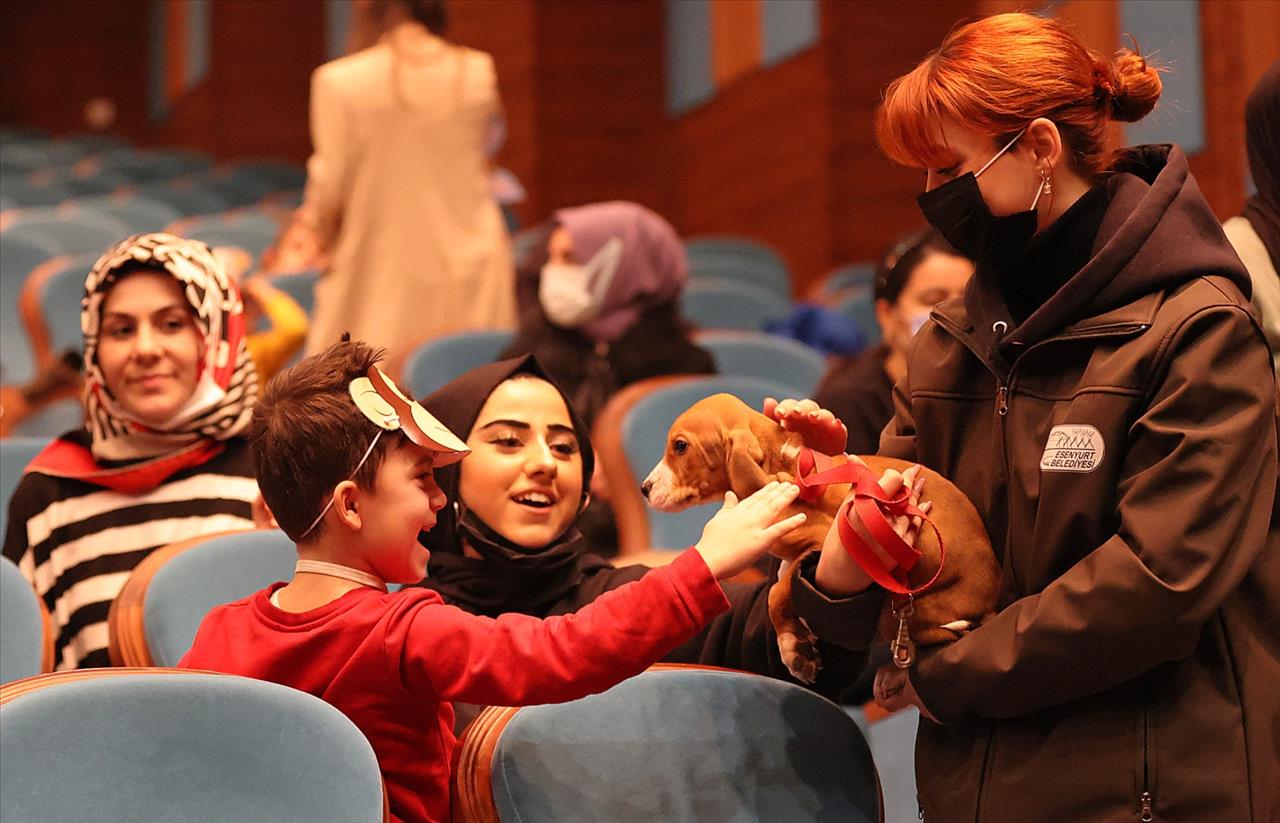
column 1130, row 85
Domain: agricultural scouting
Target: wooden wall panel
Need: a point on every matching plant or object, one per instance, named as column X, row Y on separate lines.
column 260, row 72
column 757, row 161
column 56, row 56
column 506, row 30
column 866, row 48
column 602, row 128
column 1239, row 44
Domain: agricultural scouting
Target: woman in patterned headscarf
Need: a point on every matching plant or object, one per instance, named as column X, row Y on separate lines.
column 169, row 394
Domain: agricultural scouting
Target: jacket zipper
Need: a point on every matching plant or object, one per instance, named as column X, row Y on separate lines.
column 1146, row 812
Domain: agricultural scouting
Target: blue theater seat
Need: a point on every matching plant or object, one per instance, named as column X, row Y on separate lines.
column 674, row 744
column 119, row 745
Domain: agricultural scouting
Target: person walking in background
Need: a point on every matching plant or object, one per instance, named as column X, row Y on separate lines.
column 398, row 185
column 1255, row 234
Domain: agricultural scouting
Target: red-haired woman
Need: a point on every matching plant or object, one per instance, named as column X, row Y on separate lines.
column 1103, row 394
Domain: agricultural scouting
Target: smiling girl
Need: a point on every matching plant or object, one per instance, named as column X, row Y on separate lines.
column 169, row 391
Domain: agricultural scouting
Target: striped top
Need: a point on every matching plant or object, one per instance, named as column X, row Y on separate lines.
column 77, row 542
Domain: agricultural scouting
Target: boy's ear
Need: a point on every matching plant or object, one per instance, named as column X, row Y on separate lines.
column 345, row 495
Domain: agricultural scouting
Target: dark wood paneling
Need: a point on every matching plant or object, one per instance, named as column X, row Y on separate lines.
column 505, row 29
column 259, row 72
column 602, row 129
column 56, row 56
column 757, row 161
column 867, row 45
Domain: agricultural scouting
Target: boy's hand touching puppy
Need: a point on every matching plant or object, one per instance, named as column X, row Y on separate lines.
column 818, row 428
column 744, row 530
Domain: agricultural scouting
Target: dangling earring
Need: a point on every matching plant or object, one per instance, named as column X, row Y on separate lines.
column 1048, row 181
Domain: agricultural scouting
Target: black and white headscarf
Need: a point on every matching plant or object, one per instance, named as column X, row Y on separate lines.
column 227, row 383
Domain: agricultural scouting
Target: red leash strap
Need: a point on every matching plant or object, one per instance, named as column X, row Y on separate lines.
column 871, row 504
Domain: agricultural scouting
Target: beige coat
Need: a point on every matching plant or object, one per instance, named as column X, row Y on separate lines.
column 398, row 187
column 1266, row 285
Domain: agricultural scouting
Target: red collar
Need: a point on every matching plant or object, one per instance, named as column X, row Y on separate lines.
column 817, row 471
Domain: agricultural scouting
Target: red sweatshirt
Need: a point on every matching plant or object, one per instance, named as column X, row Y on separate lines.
column 393, row 662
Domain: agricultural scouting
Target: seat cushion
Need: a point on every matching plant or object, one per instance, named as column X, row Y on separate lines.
column 183, row 748
column 686, row 745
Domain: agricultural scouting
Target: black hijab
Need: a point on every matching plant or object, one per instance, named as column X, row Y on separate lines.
column 508, row 577
column 1262, row 139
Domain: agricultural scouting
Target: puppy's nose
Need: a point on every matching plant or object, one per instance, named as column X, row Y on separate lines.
column 645, row 488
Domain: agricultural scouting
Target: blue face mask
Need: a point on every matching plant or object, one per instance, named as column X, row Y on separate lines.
column 960, row 214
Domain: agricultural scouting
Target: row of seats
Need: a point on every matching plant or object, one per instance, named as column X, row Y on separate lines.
column 200, row 747
column 65, row 201
column 708, row 744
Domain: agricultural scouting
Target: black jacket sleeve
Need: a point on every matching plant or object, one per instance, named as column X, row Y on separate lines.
column 743, row 638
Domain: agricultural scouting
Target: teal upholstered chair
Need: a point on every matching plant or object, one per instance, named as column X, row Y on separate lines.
column 26, row 634
column 859, row 303
column 19, row 256
column 675, row 744
column 51, row 305
column 217, row 231
column 738, row 259
column 70, row 232
column 767, row 356
column 59, row 417
column 140, row 214
column 119, row 745
column 155, row 617
column 721, row 303
column 433, row 363
column 15, row 454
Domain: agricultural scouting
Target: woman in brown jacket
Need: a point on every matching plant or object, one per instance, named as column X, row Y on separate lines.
column 1103, row 394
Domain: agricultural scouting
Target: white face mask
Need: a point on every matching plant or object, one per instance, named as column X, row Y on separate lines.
column 573, row 294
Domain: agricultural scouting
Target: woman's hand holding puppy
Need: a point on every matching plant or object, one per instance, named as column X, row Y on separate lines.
column 820, row 430
column 837, row 573
column 744, row 530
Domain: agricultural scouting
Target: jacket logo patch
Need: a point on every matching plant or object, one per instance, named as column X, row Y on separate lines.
column 1073, row 448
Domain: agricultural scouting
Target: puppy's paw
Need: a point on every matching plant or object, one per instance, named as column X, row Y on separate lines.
column 800, row 654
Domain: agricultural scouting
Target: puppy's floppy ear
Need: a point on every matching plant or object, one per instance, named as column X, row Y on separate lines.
column 744, row 461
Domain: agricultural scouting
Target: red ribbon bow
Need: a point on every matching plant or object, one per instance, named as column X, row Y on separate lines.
column 872, row 504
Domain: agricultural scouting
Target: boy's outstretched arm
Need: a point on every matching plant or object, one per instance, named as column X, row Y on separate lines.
column 518, row 660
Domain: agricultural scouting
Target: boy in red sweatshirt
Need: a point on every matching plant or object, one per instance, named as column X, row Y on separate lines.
column 345, row 462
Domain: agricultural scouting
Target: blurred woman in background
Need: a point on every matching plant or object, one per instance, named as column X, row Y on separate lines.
column 1255, row 234
column 919, row 272
column 599, row 295
column 398, row 185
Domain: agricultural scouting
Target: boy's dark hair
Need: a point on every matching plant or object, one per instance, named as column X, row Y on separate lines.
column 901, row 259
column 308, row 435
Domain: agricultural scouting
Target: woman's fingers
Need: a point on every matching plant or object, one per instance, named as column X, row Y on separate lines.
column 730, row 500
column 891, row 481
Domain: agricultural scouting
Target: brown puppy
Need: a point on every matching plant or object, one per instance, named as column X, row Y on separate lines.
column 720, row 444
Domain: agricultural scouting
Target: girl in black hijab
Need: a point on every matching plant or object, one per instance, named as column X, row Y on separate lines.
column 484, row 571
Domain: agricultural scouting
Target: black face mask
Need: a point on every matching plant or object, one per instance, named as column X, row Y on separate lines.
column 957, row 210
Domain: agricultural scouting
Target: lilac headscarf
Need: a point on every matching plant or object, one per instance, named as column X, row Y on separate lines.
column 652, row 270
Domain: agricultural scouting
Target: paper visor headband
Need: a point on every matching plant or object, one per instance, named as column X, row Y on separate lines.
column 380, row 399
